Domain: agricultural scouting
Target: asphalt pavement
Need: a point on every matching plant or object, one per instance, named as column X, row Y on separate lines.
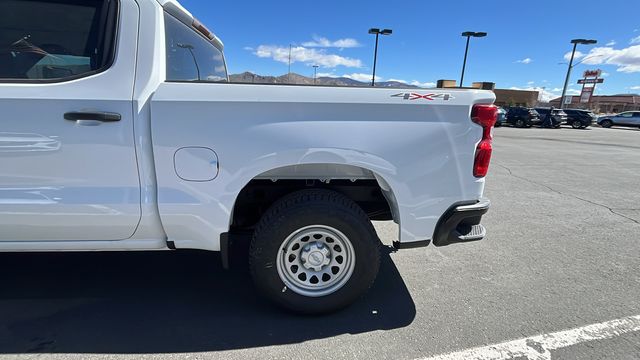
column 561, row 260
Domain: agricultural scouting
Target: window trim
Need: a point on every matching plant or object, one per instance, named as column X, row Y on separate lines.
column 215, row 44
column 114, row 34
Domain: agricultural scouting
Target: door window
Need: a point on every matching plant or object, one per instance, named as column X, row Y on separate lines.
column 55, row 40
column 190, row 56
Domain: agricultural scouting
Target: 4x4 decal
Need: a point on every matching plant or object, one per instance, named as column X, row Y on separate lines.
column 416, row 96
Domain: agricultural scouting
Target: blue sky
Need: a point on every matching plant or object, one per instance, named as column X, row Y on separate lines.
column 526, row 40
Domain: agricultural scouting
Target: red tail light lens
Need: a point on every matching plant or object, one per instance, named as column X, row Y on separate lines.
column 485, row 116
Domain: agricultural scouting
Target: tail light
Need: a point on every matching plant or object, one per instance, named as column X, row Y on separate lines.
column 485, row 116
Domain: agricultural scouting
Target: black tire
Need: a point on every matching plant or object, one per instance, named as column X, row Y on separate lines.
column 606, row 123
column 576, row 124
column 303, row 209
column 498, row 124
column 520, row 123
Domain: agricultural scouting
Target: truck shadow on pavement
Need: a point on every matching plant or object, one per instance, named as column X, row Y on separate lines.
column 165, row 302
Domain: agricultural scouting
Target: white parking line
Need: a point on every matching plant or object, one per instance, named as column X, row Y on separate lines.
column 539, row 347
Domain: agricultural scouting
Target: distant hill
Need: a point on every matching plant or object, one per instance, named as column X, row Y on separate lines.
column 248, row 77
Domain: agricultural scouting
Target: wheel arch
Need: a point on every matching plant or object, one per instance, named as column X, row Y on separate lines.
column 335, row 175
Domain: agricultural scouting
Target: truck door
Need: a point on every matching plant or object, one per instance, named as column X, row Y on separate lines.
column 68, row 167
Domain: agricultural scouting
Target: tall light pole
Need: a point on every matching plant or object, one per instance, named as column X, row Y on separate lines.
column 377, row 32
column 289, row 73
column 315, row 73
column 195, row 62
column 575, row 43
column 468, row 35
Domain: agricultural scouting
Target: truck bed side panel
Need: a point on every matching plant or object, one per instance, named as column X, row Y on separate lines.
column 423, row 148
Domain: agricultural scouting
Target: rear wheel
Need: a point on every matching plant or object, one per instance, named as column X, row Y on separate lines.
column 520, row 123
column 606, row 123
column 576, row 124
column 314, row 251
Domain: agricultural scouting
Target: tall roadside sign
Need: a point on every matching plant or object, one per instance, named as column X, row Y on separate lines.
column 589, row 81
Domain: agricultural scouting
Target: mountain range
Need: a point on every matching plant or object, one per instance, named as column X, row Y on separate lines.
column 293, row 78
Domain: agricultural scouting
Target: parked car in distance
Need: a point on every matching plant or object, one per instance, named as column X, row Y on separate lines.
column 558, row 116
column 502, row 117
column 628, row 118
column 522, row 117
column 579, row 118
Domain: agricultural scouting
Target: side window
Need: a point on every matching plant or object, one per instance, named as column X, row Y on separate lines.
column 626, row 115
column 191, row 57
column 55, row 39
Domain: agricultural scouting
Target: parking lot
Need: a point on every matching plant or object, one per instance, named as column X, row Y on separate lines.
column 562, row 252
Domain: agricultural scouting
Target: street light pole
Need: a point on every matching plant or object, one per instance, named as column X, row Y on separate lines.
column 377, row 32
column 289, row 73
column 315, row 73
column 190, row 48
column 468, row 35
column 575, row 43
column 375, row 60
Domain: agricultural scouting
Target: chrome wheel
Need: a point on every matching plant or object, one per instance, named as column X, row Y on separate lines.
column 315, row 261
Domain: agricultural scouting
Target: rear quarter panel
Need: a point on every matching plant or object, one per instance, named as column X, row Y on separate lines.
column 423, row 149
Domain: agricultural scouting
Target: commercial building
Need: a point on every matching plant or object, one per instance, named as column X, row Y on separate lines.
column 604, row 104
column 508, row 97
column 504, row 97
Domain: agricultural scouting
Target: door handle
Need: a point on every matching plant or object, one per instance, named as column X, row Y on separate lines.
column 92, row 115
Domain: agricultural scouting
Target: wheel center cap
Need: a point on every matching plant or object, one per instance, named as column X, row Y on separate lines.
column 316, row 258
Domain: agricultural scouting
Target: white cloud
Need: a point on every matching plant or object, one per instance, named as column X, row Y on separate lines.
column 556, row 89
column 578, row 55
column 361, row 77
column 319, row 41
column 398, row 80
column 627, row 60
column 634, row 88
column 611, row 43
column 604, row 74
column 307, row 56
column 635, row 40
column 248, row 48
column 423, row 84
column 531, row 82
column 525, row 61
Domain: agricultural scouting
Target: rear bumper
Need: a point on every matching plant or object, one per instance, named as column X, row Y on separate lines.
column 461, row 223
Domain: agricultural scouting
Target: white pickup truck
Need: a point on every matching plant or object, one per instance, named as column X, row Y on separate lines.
column 119, row 131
